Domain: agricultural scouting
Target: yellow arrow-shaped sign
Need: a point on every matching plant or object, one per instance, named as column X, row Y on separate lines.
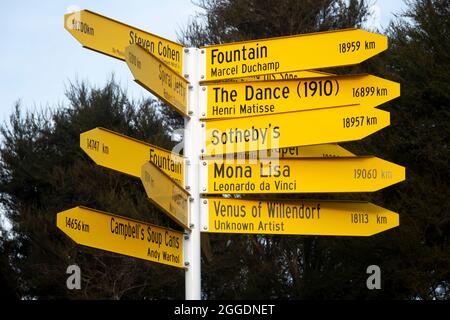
column 165, row 193
column 304, row 175
column 111, row 37
column 127, row 155
column 106, row 231
column 292, row 129
column 158, row 78
column 296, row 217
column 243, row 99
column 276, row 76
column 289, row 75
column 327, row 150
column 285, row 54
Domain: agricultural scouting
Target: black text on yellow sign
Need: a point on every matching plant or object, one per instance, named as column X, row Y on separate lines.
column 285, row 54
column 303, row 175
column 158, row 78
column 328, row 150
column 111, row 37
column 243, row 99
column 127, row 155
column 106, row 231
column 292, row 129
column 278, row 76
column 295, row 217
column 165, row 193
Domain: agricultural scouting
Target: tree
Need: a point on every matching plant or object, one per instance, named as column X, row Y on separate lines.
column 234, row 20
column 270, row 266
column 414, row 258
column 418, row 57
column 43, row 171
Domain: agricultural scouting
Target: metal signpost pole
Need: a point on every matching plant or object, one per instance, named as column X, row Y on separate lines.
column 192, row 145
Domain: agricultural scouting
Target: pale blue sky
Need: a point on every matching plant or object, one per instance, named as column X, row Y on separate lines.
column 38, row 56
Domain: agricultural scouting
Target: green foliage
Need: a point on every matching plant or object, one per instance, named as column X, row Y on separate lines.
column 43, row 171
column 415, row 257
column 418, row 58
column 7, row 276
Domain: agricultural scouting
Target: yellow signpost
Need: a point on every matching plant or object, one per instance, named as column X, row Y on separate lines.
column 295, row 217
column 304, row 175
column 263, row 122
column 275, row 76
column 243, row 99
column 285, row 54
column 111, row 37
column 165, row 193
column 288, row 75
column 327, row 150
column 158, row 78
column 292, row 129
column 124, row 154
column 106, row 231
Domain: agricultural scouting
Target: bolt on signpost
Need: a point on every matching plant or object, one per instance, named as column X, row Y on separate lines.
column 257, row 120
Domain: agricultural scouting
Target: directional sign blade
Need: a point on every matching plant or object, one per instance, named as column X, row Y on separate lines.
column 243, row 99
column 111, row 37
column 165, row 193
column 327, row 150
column 289, row 75
column 284, row 54
column 354, row 174
column 293, row 129
column 106, row 231
column 158, row 78
column 296, row 217
column 124, row 154
column 275, row 76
